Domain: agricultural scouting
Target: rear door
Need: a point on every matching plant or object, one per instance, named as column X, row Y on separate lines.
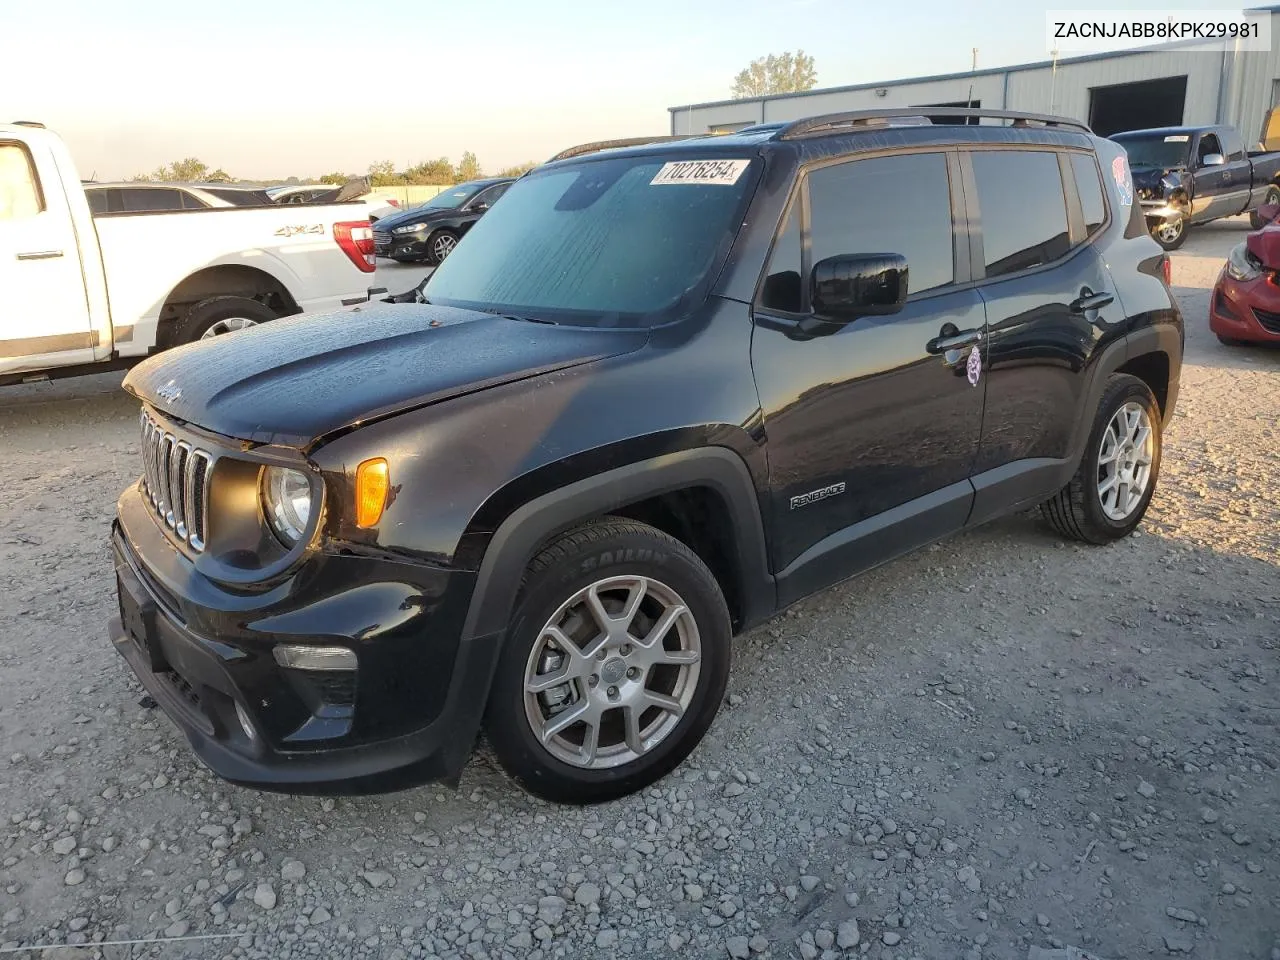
column 1048, row 297
column 44, row 321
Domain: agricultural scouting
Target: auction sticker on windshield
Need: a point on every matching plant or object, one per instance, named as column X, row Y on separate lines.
column 721, row 172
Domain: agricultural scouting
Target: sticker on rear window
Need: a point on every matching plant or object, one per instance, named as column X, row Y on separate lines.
column 1124, row 185
column 1177, row 138
column 720, row 172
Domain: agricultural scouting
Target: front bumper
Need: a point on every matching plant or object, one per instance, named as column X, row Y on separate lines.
column 1161, row 210
column 402, row 246
column 408, row 715
column 1245, row 309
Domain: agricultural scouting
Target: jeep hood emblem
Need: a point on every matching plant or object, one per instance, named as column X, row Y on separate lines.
column 169, row 391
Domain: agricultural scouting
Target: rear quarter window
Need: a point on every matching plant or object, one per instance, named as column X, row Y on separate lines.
column 1089, row 187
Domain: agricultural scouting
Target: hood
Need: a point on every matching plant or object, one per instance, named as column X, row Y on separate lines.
column 1265, row 245
column 1148, row 178
column 298, row 379
column 418, row 215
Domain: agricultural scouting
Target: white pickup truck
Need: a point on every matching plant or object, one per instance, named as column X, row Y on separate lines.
column 81, row 294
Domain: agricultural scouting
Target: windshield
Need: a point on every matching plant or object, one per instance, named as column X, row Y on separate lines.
column 453, row 197
column 607, row 242
column 1162, row 150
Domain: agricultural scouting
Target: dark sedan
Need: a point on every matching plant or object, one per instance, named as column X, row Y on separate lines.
column 430, row 232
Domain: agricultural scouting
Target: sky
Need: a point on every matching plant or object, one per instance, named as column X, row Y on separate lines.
column 278, row 88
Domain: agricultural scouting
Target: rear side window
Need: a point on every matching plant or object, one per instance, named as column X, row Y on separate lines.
column 97, row 201
column 135, row 201
column 1089, row 186
column 782, row 283
column 899, row 204
column 1023, row 209
column 19, row 188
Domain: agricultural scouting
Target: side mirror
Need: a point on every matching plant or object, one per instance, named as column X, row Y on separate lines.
column 866, row 285
column 480, row 207
column 1213, row 160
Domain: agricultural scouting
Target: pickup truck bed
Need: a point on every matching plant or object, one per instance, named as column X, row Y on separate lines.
column 83, row 293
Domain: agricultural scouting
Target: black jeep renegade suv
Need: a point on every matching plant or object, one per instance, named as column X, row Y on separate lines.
column 659, row 393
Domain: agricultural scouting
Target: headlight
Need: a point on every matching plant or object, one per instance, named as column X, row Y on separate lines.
column 1241, row 265
column 409, row 228
column 286, row 502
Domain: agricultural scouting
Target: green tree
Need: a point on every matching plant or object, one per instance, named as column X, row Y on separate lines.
column 784, row 73
column 383, row 174
column 182, row 171
column 519, row 170
column 431, row 173
column 468, row 168
column 337, row 179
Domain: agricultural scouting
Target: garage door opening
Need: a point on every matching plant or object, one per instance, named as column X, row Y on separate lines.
column 1137, row 106
column 960, row 103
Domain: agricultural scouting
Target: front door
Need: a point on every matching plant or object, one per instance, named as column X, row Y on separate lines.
column 1221, row 190
column 45, row 320
column 871, row 430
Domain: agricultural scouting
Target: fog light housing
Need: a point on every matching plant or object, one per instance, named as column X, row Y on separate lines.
column 294, row 656
column 245, row 723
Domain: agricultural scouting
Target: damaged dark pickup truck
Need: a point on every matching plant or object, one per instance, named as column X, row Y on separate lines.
column 1190, row 175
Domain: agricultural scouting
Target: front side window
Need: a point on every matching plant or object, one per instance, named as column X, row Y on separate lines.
column 1023, row 209
column 1208, row 144
column 897, row 204
column 619, row 241
column 19, row 189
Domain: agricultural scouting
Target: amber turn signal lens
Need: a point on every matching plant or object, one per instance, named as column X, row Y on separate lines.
column 371, row 491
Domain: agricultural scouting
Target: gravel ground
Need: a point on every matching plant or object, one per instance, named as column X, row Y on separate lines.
column 1003, row 745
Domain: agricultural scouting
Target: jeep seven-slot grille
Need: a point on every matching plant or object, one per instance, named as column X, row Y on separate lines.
column 175, row 477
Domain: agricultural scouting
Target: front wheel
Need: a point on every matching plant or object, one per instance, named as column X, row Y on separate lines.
column 1170, row 233
column 614, row 665
column 439, row 245
column 1112, row 488
column 1272, row 197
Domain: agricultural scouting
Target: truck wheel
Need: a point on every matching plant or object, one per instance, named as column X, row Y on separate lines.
column 1109, row 494
column 218, row 315
column 1170, row 233
column 1272, row 196
column 614, row 665
column 439, row 245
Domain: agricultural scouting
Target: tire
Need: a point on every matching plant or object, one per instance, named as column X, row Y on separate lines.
column 1272, row 196
column 210, row 315
column 442, row 239
column 1175, row 233
column 1078, row 511
column 602, row 555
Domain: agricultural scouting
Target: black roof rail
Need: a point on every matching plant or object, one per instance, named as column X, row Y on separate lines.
column 29, row 123
column 614, row 144
column 836, row 122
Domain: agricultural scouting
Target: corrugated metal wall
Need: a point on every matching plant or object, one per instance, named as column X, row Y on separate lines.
column 1247, row 94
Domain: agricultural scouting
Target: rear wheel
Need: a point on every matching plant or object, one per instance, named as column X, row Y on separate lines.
column 1112, row 488
column 216, row 316
column 1170, row 233
column 614, row 665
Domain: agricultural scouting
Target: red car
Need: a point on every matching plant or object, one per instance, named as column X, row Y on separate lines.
column 1245, row 306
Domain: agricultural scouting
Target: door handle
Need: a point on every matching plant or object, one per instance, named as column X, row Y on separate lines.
column 1091, row 301
column 40, row 255
column 949, row 338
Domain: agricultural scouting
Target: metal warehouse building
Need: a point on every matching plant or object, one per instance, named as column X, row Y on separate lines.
column 1112, row 92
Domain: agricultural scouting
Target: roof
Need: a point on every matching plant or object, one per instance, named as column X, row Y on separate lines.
column 169, row 185
column 962, row 75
